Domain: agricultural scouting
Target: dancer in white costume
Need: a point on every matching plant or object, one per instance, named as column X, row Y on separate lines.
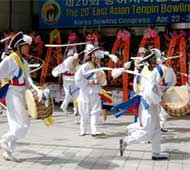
column 15, row 69
column 166, row 77
column 90, row 85
column 140, row 68
column 68, row 68
column 150, row 129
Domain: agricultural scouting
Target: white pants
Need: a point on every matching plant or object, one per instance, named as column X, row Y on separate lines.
column 133, row 127
column 149, row 131
column 89, row 109
column 163, row 117
column 69, row 97
column 18, row 119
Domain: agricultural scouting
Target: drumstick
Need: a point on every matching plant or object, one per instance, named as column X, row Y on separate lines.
column 34, row 65
column 174, row 57
column 183, row 74
column 39, row 66
column 111, row 69
column 65, row 45
column 5, row 39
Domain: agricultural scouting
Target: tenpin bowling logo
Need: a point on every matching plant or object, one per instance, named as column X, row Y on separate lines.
column 51, row 12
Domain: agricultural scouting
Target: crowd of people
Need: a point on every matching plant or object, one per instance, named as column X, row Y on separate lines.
column 83, row 82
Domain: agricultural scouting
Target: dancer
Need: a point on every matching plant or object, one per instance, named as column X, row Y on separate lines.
column 17, row 74
column 140, row 68
column 149, row 108
column 68, row 68
column 166, row 77
column 90, row 85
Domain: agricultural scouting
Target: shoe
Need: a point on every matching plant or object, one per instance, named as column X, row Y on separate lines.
column 122, row 147
column 98, row 134
column 164, row 130
column 76, row 114
column 161, row 156
column 75, row 111
column 82, row 133
column 9, row 157
column 4, row 145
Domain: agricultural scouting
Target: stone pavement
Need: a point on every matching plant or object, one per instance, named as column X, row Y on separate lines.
column 59, row 147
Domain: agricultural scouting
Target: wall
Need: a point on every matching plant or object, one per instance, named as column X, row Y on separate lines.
column 15, row 15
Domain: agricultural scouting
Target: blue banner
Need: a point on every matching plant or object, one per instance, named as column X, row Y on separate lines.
column 110, row 13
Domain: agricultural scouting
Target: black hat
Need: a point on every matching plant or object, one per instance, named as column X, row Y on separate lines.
column 149, row 55
column 19, row 39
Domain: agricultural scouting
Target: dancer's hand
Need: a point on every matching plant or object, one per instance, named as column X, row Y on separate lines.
column 92, row 82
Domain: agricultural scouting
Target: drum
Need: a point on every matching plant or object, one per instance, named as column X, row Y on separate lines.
column 38, row 110
column 176, row 101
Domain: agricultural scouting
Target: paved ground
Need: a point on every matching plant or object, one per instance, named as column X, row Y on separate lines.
column 60, row 147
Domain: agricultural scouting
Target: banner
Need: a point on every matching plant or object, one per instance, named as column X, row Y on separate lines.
column 110, row 13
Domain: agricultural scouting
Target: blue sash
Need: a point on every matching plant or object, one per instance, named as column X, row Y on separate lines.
column 131, row 105
column 90, row 76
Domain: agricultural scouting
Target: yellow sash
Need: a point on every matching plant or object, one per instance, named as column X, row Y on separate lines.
column 91, row 65
column 145, row 72
column 48, row 121
column 18, row 61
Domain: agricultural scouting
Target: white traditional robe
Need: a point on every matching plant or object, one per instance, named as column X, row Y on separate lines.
column 18, row 118
column 89, row 100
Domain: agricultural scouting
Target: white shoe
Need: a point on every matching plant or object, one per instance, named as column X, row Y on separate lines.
column 9, row 157
column 98, row 134
column 75, row 111
column 82, row 133
column 76, row 114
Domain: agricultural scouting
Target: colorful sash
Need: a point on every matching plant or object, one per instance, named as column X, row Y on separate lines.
column 131, row 105
column 18, row 61
column 5, row 84
column 162, row 75
column 106, row 96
